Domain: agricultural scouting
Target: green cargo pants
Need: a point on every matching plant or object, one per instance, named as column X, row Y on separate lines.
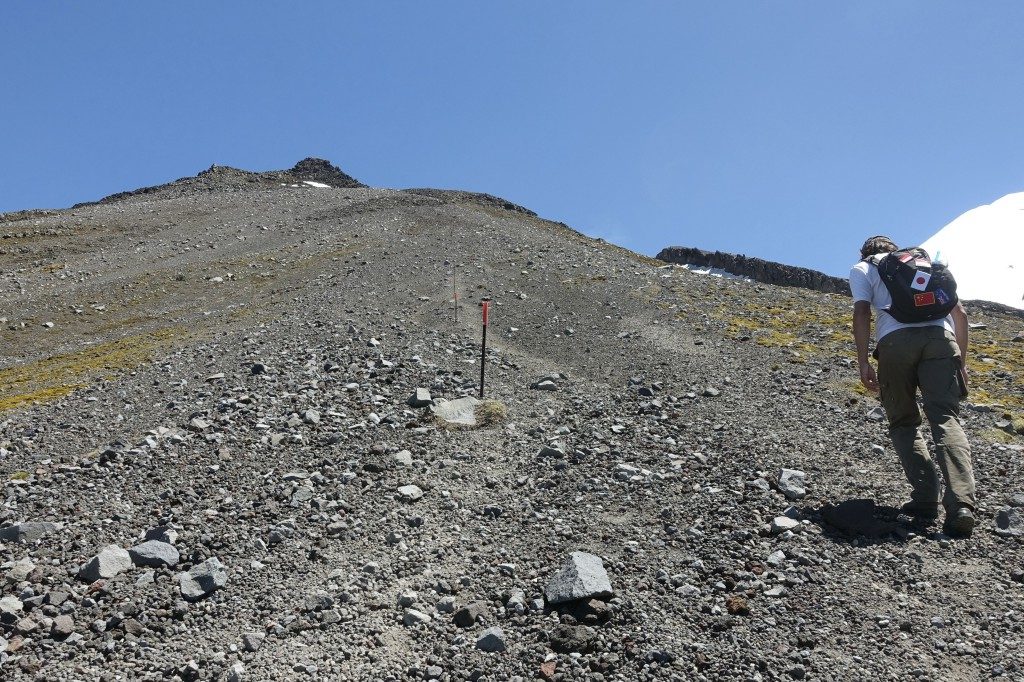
column 926, row 358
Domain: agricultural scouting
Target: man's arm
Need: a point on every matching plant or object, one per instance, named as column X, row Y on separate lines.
column 861, row 334
column 960, row 328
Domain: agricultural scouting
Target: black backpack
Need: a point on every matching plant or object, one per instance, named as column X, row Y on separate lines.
column 922, row 290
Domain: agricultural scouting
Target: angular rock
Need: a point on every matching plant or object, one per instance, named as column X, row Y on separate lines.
column 402, row 458
column 581, row 577
column 27, row 532
column 420, row 398
column 252, row 641
column 467, row 615
column 792, row 483
column 567, row 639
column 62, row 626
column 154, row 553
column 461, row 412
column 413, row 617
column 491, row 640
column 16, row 571
column 780, row 524
column 203, row 579
column 410, row 493
column 110, row 561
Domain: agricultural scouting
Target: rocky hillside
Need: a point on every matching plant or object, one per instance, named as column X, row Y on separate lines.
column 228, row 448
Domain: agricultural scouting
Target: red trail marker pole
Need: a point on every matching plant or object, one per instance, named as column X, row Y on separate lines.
column 483, row 350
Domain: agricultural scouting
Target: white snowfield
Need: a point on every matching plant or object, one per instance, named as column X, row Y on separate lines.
column 312, row 183
column 984, row 249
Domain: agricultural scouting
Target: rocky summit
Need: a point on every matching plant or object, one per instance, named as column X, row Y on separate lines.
column 242, row 438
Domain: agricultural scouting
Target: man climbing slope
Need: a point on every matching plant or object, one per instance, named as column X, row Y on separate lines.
column 929, row 355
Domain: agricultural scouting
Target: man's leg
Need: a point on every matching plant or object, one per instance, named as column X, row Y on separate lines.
column 897, row 376
column 941, row 394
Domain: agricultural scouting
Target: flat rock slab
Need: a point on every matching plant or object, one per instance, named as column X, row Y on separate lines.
column 857, row 517
column 27, row 532
column 581, row 577
column 1010, row 522
column 461, row 411
column 154, row 553
column 111, row 561
column 203, row 579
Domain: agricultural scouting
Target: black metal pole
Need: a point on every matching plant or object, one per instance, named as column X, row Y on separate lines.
column 483, row 352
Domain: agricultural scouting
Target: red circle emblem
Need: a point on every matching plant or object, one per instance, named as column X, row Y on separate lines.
column 920, row 280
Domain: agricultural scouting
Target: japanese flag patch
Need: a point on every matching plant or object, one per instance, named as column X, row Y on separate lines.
column 927, row 298
column 920, row 281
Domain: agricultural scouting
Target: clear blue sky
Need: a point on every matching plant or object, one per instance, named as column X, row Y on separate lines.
column 785, row 130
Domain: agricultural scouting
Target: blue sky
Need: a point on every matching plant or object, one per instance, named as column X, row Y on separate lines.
column 784, row 130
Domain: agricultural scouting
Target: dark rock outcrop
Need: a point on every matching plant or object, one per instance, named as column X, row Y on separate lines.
column 756, row 269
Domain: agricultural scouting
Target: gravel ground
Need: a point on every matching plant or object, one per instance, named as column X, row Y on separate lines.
column 224, row 371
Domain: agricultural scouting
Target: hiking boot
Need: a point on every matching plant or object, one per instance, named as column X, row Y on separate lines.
column 920, row 511
column 960, row 523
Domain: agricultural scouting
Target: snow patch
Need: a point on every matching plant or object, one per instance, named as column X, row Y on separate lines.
column 316, row 184
column 714, row 272
column 984, row 249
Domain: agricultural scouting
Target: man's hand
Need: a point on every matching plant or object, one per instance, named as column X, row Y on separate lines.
column 868, row 377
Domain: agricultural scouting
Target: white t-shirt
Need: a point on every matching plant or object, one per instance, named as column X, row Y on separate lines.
column 867, row 285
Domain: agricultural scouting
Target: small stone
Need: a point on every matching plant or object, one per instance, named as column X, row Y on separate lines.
column 413, row 618
column 203, row 579
column 420, row 398
column 875, row 414
column 62, row 626
column 252, row 641
column 110, row 561
column 11, row 606
column 199, row 424
column 581, row 577
column 402, row 458
column 467, row 615
column 491, row 640
column 780, row 524
column 235, row 672
column 792, row 483
column 311, row 417
column 17, row 571
column 567, row 639
column 410, row 493
column 154, row 553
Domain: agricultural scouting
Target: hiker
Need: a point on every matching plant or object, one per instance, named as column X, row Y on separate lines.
column 929, row 355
